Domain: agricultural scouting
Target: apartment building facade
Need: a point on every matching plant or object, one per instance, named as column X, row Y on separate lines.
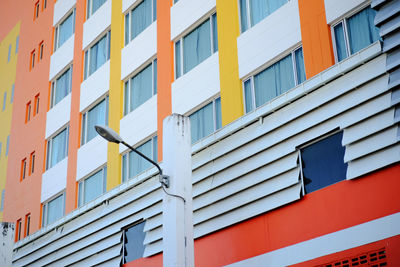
column 294, row 111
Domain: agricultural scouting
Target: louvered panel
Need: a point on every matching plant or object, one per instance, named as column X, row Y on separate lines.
column 153, row 236
column 110, row 257
column 110, row 263
column 388, row 10
column 325, row 112
column 82, row 254
column 332, row 90
column 373, row 161
column 244, row 197
column 152, row 249
column 153, row 222
column 370, row 144
column 222, row 185
column 248, row 211
column 367, row 127
column 390, row 26
column 138, row 193
column 392, row 40
column 109, row 221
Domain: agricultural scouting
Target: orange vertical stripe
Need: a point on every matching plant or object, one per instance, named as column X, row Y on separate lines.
column 165, row 66
column 316, row 37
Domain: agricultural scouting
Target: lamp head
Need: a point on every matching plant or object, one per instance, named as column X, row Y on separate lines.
column 108, row 134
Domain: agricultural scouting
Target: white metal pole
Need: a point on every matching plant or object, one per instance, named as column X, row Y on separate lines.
column 178, row 246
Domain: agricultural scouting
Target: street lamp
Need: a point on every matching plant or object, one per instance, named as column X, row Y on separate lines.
column 111, row 136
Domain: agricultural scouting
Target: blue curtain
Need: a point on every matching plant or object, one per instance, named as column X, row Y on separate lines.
column 141, row 18
column 126, row 98
column 178, row 59
column 63, row 84
column 260, row 9
column 243, row 15
column 248, row 95
column 124, row 167
column 218, row 117
column 59, row 148
column 274, row 81
column 96, row 4
column 300, row 71
column 202, row 123
column 98, row 55
column 215, row 33
column 141, row 87
column 361, row 29
column 55, row 209
column 127, row 29
column 137, row 164
column 66, row 29
column 196, row 46
column 96, row 116
column 93, row 186
column 340, row 42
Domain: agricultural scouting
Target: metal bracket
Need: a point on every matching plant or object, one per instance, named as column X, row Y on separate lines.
column 164, row 180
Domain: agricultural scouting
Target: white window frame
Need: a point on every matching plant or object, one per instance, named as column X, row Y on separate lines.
column 50, row 144
column 152, row 138
column 251, row 78
column 127, row 83
column 85, row 117
column 54, row 85
column 129, row 13
column 181, row 38
column 57, row 29
column 81, row 184
column 45, row 208
column 89, row 7
column 86, row 60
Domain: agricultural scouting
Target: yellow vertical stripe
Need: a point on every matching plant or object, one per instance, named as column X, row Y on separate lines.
column 8, row 70
column 116, row 89
column 231, row 89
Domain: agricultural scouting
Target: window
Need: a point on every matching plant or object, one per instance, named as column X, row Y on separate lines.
column 36, row 110
column 12, row 93
column 133, row 238
column 7, row 145
column 9, row 53
column 97, row 115
column 41, row 47
column 92, row 187
column 28, row 112
column 16, row 44
column 140, row 87
column 253, row 11
column 196, row 46
column 32, row 163
column 274, row 80
column 33, row 55
column 37, row 8
column 139, row 18
column 322, row 163
column 53, row 210
column 2, row 199
column 23, row 169
column 352, row 34
column 61, row 87
column 64, row 30
column 18, row 230
column 57, row 148
column 27, row 224
column 4, row 100
column 44, row 4
column 97, row 55
column 93, row 5
column 206, row 120
column 133, row 164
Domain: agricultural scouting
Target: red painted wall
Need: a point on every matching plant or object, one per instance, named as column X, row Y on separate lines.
column 334, row 208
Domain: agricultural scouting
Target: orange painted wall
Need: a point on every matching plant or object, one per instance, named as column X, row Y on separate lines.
column 334, row 208
column 316, row 37
column 165, row 66
column 23, row 197
column 74, row 124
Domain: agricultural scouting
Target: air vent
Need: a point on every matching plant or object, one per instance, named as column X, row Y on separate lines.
column 374, row 258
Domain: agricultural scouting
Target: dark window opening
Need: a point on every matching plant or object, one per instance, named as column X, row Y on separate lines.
column 133, row 238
